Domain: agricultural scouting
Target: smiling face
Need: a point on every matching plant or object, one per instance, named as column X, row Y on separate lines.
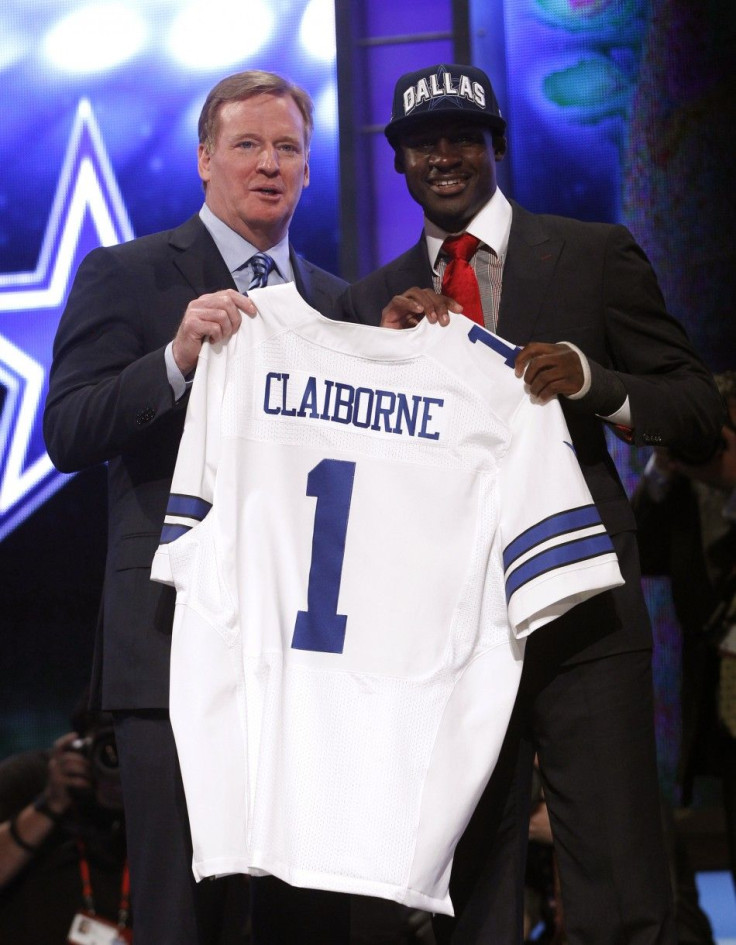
column 450, row 169
column 255, row 172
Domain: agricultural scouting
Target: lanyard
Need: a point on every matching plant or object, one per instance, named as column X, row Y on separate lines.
column 88, row 898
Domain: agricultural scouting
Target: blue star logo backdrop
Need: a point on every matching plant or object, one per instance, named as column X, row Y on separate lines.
column 87, row 212
column 147, row 73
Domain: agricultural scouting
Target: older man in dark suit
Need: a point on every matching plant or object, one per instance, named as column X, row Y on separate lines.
column 125, row 351
column 584, row 302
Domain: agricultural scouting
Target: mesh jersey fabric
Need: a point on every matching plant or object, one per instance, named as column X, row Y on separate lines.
column 364, row 525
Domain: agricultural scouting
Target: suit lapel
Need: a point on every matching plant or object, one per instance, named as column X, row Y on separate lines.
column 318, row 288
column 304, row 280
column 412, row 268
column 530, row 263
column 198, row 259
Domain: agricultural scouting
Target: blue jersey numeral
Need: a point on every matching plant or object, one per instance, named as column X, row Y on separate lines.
column 320, row 627
column 508, row 352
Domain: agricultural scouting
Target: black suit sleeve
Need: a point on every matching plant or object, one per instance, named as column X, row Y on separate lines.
column 108, row 381
column 365, row 299
column 673, row 398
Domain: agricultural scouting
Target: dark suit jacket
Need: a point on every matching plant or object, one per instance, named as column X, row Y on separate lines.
column 589, row 284
column 110, row 401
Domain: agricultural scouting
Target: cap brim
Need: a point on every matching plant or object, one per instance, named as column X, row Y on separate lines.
column 401, row 126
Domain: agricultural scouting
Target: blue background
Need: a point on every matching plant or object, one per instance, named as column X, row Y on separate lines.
column 619, row 110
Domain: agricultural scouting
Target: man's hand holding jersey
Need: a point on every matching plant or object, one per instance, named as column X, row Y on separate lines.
column 409, row 308
column 212, row 317
column 547, row 369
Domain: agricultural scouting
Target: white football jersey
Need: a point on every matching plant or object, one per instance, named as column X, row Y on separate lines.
column 364, row 524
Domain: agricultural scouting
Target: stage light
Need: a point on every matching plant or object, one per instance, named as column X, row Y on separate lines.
column 95, row 38
column 216, row 34
column 13, row 45
column 317, row 31
column 325, row 108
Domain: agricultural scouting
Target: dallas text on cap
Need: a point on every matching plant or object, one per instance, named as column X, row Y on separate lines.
column 421, row 92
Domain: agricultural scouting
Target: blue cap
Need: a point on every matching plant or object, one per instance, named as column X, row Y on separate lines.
column 443, row 91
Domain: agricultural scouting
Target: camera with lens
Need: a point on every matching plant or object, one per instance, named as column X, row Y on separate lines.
column 98, row 746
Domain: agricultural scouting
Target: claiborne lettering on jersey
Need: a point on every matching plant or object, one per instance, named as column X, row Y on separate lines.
column 383, row 411
column 439, row 86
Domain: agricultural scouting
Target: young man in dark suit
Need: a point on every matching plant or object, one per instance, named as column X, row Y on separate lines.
column 583, row 301
column 118, row 394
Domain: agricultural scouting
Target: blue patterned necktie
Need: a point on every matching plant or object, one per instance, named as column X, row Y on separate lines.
column 260, row 265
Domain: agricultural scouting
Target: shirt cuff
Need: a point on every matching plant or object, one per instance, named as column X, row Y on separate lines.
column 622, row 416
column 608, row 389
column 177, row 381
column 586, row 372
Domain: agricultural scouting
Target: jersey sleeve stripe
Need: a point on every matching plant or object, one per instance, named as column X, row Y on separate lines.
column 188, row 506
column 558, row 557
column 552, row 527
column 170, row 533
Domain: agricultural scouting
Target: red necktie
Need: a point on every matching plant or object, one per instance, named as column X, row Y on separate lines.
column 459, row 281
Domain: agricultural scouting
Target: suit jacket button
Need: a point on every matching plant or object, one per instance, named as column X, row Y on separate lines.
column 145, row 416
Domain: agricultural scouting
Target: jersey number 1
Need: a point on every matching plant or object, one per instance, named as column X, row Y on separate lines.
column 320, row 627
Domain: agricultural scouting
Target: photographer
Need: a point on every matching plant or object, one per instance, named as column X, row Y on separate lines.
column 63, row 872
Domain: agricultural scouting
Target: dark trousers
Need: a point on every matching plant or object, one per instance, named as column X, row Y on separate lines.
column 286, row 915
column 169, row 907
column 591, row 725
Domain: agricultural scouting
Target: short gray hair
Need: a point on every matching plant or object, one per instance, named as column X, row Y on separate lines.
column 245, row 85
